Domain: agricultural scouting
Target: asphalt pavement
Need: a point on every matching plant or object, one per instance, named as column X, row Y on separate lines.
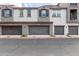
column 37, row 47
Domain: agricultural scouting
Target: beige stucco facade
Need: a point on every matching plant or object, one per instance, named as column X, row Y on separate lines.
column 52, row 23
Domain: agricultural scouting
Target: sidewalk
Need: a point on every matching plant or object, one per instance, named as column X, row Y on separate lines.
column 36, row 36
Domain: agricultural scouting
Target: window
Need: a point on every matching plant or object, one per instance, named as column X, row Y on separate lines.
column 21, row 13
column 73, row 14
column 43, row 13
column 56, row 13
column 28, row 13
column 6, row 12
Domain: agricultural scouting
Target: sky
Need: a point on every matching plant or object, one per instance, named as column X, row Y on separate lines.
column 27, row 3
column 38, row 2
column 34, row 4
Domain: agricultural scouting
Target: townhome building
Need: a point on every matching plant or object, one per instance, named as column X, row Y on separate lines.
column 60, row 19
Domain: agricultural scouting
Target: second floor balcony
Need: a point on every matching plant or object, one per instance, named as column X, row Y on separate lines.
column 73, row 4
column 73, row 17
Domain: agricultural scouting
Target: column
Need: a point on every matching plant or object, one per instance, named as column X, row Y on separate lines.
column 51, row 30
column 66, row 30
column 25, row 29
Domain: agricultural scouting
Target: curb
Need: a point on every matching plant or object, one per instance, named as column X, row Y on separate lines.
column 29, row 38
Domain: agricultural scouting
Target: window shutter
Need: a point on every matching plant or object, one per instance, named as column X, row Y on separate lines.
column 28, row 12
column 40, row 13
column 47, row 13
column 10, row 12
column 2, row 12
column 21, row 13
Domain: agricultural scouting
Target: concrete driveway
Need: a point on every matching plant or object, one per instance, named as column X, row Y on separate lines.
column 37, row 47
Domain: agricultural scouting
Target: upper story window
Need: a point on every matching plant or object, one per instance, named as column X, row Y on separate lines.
column 73, row 4
column 21, row 13
column 56, row 13
column 73, row 14
column 6, row 12
column 43, row 13
column 28, row 13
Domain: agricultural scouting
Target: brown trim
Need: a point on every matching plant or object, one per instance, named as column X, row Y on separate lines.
column 6, row 5
column 73, row 25
column 59, row 8
column 26, row 22
column 10, row 24
column 70, row 22
column 59, row 25
column 39, row 7
column 38, row 25
column 25, row 8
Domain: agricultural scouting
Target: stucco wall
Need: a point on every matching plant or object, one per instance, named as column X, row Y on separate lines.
column 25, row 29
column 58, row 20
column 34, row 14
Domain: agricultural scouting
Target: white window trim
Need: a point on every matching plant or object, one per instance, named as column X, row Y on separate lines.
column 56, row 13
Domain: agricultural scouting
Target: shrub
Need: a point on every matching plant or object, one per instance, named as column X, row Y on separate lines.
column 24, row 35
column 68, row 35
column 52, row 35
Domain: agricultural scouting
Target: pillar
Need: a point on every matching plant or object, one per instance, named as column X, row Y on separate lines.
column 25, row 29
column 51, row 29
column 66, row 30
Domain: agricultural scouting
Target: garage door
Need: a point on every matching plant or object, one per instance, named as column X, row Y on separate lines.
column 39, row 30
column 11, row 30
column 59, row 30
column 73, row 30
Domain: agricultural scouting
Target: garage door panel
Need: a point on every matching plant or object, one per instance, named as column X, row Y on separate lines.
column 73, row 30
column 38, row 30
column 59, row 30
column 11, row 30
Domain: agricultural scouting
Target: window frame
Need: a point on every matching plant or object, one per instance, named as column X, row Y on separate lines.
column 21, row 13
column 46, row 15
column 73, row 4
column 4, row 12
column 56, row 13
column 28, row 12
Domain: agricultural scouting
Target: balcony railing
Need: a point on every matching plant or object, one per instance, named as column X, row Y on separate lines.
column 73, row 4
column 73, row 17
